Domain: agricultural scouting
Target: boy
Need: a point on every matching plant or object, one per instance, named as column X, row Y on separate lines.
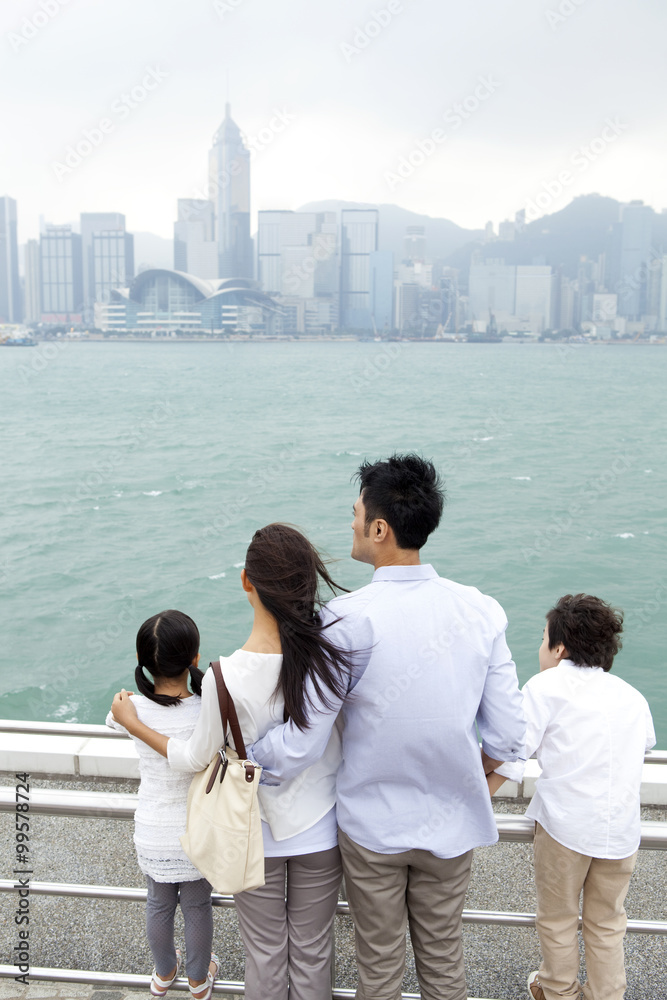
column 590, row 731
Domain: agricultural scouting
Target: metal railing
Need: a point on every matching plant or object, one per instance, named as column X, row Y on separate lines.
column 116, row 805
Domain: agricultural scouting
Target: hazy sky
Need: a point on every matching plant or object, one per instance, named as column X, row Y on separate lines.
column 353, row 86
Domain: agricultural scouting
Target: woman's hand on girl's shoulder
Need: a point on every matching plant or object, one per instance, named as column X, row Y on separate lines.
column 122, row 708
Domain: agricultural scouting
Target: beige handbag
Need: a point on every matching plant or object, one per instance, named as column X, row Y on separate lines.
column 223, row 835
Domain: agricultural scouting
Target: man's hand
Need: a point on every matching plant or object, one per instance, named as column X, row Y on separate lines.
column 123, row 710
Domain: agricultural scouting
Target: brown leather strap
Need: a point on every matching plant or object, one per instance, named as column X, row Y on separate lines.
column 228, row 711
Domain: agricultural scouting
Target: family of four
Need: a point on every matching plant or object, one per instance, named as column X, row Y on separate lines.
column 365, row 715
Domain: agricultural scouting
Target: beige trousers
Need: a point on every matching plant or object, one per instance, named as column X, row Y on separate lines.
column 388, row 891
column 560, row 876
column 287, row 927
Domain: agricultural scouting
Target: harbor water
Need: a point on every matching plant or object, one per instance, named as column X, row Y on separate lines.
column 133, row 477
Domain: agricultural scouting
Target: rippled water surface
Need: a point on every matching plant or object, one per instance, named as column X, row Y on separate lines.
column 134, row 475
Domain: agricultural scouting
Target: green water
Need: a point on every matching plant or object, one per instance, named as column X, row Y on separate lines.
column 134, row 475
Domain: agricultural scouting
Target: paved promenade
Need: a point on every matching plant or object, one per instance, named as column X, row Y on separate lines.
column 108, row 935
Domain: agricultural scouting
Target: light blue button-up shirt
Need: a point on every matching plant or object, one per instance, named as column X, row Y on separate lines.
column 431, row 669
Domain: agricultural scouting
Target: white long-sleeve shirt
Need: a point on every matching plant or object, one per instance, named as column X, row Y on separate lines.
column 298, row 816
column 590, row 731
column 431, row 665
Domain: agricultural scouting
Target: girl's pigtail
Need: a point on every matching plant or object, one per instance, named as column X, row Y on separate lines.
column 196, row 678
column 144, row 686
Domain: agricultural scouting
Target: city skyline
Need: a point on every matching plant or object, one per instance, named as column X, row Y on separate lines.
column 384, row 103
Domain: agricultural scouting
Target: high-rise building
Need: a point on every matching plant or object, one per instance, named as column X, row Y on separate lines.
column 359, row 239
column 113, row 262
column 229, row 190
column 534, row 297
column 415, row 243
column 518, row 297
column 195, row 248
column 381, row 264
column 297, row 260
column 32, row 298
column 91, row 223
column 635, row 254
column 10, row 285
column 297, row 253
column 61, row 275
column 491, row 289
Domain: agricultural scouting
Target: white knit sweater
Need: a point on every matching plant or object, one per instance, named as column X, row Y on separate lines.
column 161, row 808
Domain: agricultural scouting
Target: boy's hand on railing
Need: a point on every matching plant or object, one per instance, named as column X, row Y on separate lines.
column 122, row 708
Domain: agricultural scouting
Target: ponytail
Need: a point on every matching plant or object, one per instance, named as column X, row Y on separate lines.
column 196, row 677
column 286, row 570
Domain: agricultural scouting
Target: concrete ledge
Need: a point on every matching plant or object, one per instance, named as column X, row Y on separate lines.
column 100, row 757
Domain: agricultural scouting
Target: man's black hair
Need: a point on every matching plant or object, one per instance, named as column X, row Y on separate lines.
column 407, row 492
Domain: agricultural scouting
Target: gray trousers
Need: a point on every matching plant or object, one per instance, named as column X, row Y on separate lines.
column 195, row 900
column 386, row 891
column 287, row 927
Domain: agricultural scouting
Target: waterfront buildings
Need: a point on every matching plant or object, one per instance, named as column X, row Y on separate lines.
column 11, row 310
column 167, row 301
column 32, row 296
column 297, row 262
column 358, row 240
column 195, row 247
column 229, row 190
column 107, row 257
column 519, row 297
column 61, row 275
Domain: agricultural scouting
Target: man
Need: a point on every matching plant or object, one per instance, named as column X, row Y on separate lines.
column 430, row 665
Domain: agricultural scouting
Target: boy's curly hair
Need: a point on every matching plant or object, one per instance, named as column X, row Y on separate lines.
column 588, row 627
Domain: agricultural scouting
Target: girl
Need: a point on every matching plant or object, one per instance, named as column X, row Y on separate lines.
column 168, row 648
column 287, row 660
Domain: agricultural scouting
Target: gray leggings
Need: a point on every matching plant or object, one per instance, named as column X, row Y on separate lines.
column 195, row 899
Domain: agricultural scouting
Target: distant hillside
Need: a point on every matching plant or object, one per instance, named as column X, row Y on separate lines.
column 152, row 251
column 443, row 237
column 581, row 229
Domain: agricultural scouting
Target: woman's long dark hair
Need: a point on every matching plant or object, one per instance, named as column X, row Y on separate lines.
column 286, row 571
column 167, row 644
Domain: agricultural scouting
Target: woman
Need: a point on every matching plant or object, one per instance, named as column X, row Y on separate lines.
column 286, row 659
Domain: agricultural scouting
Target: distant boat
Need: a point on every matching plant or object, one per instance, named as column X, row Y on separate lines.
column 19, row 342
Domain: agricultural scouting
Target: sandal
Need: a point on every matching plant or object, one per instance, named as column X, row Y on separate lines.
column 207, row 986
column 159, row 986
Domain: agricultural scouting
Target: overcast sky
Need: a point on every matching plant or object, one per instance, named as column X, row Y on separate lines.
column 536, row 80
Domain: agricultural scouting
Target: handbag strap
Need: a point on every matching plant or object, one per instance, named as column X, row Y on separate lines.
column 228, row 711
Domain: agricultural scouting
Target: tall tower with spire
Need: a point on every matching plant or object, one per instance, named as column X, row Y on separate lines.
column 229, row 187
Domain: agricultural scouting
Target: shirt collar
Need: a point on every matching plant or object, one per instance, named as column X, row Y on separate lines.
column 575, row 666
column 423, row 571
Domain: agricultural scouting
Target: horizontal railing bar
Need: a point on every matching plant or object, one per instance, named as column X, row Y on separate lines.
column 60, row 729
column 121, row 805
column 86, row 977
column 94, row 731
column 499, row 917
